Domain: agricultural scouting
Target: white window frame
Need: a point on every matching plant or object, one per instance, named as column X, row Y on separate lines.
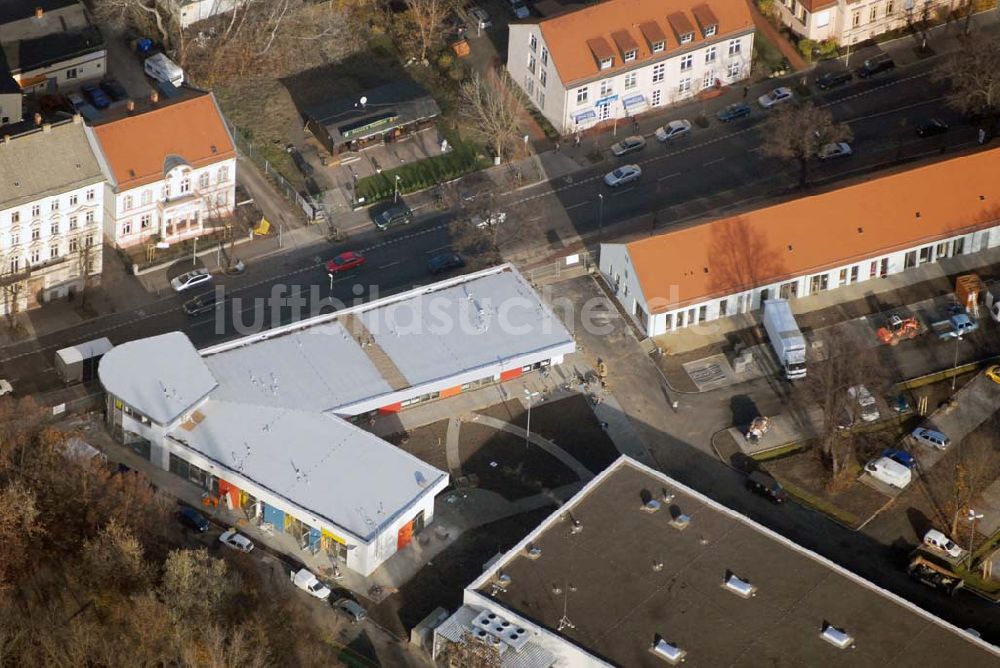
column 532, row 41
column 710, row 31
column 607, row 88
column 658, row 47
column 687, row 38
column 582, row 94
column 735, row 46
column 630, row 56
column 607, row 63
column 659, row 72
column 684, row 85
column 656, row 98
column 687, row 62
column 543, row 78
column 545, row 56
column 710, row 54
column 631, row 80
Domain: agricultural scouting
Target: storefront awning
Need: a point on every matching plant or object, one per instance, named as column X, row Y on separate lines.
column 634, row 101
column 585, row 116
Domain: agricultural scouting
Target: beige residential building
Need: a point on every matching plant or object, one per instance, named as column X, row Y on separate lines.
column 851, row 22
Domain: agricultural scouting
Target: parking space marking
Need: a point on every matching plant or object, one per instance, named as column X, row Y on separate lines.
column 668, row 176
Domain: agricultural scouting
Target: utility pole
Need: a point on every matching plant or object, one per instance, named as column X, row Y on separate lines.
column 529, row 395
column 600, row 217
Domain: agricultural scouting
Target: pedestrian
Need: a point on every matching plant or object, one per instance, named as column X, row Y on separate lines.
column 557, row 147
column 982, row 136
column 635, row 124
column 746, row 91
column 577, row 139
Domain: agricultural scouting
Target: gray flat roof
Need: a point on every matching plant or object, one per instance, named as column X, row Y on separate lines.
column 161, row 377
column 322, row 464
column 619, row 602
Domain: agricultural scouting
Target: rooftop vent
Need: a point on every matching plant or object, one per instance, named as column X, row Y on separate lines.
column 130, row 105
column 789, row 246
column 577, row 527
column 657, row 566
column 651, row 506
column 154, row 97
column 678, row 519
column 214, row 149
column 706, row 270
column 666, row 495
column 501, row 629
column 39, row 12
column 503, row 578
column 861, row 230
column 669, row 652
column 918, row 214
column 532, row 551
column 836, row 637
column 982, row 197
column 739, row 586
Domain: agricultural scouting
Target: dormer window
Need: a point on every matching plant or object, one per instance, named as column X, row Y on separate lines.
column 657, row 47
column 710, row 30
column 607, row 63
column 687, row 38
column 629, row 56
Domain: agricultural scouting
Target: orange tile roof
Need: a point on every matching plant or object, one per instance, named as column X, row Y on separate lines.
column 815, row 5
column 705, row 17
column 135, row 147
column 570, row 36
column 820, row 232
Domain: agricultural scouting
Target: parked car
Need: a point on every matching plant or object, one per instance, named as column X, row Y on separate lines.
column 931, row 438
column 480, row 17
column 345, row 261
column 445, row 262
column 932, row 127
column 352, row 609
column 830, row 80
column 993, row 373
column 114, row 89
column 899, row 403
column 890, row 472
column 392, row 216
column 491, row 220
column 673, row 129
column 938, row 541
column 881, row 63
column 622, row 175
column 866, row 402
column 191, row 279
column 306, row 581
column 733, row 112
column 96, row 96
column 202, row 304
column 764, row 485
column 192, row 519
column 76, row 100
column 628, row 145
column 901, row 456
column 777, row 96
column 840, row 149
column 518, row 9
column 236, row 540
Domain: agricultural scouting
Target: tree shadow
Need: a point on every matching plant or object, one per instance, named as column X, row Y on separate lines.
column 740, row 257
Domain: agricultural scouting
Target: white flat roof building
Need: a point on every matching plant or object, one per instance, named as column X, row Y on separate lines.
column 260, row 420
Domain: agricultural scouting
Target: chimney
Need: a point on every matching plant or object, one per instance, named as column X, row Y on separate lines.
column 6, row 139
column 39, row 12
column 77, row 118
column 38, row 119
column 46, row 127
column 154, row 97
column 130, row 105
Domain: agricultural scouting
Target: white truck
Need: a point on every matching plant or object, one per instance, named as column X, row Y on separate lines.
column 787, row 341
column 305, row 580
column 991, row 299
column 161, row 68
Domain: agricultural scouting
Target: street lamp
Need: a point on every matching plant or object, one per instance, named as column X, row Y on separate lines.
column 330, row 274
column 395, row 196
column 600, row 216
column 973, row 517
column 954, row 368
column 529, row 395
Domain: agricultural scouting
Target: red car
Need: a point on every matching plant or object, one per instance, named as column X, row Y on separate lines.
column 344, row 261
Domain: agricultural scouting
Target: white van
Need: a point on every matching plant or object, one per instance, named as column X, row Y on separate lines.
column 937, row 540
column 163, row 69
column 890, row 472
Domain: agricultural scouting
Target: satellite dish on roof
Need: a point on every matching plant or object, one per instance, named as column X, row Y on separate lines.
column 364, row 100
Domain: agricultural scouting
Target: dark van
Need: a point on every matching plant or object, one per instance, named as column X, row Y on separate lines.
column 881, row 63
column 766, row 486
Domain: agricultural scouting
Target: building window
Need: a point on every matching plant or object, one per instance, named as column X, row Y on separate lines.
column 74, row 245
column 630, row 56
column 541, row 100
column 73, row 199
column 958, row 246
column 606, row 88
column 54, row 227
column 658, row 72
column 687, row 62
column 658, row 47
column 147, row 197
column 90, row 240
column 668, row 321
column 203, row 177
column 888, row 8
column 186, row 184
column 166, row 191
column 36, row 233
column 127, row 228
column 71, row 73
column 854, row 274
column 545, row 56
column 15, row 217
column 607, row 63
column 222, row 199
column 532, row 42
column 819, row 283
column 529, row 85
column 145, row 220
column 90, row 195
column 873, row 14
column 687, row 38
column 842, row 279
column 581, row 95
column 36, row 210
column 543, row 78
column 684, row 86
column 531, row 64
column 926, row 254
column 707, row 80
column 941, row 251
column 15, row 265
column 54, row 206
column 127, row 203
column 723, row 307
column 733, row 70
column 36, row 255
column 856, row 18
column 702, row 313
column 53, row 251
column 630, row 80
column 734, row 46
column 910, row 260
column 15, row 238
column 89, row 217
column 72, row 222
column 223, row 174
column 656, row 98
column 710, row 31
column 710, row 54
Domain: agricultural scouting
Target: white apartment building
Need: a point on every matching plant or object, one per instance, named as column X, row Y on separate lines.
column 189, row 12
column 171, row 170
column 621, row 58
column 851, row 22
column 51, row 206
column 802, row 247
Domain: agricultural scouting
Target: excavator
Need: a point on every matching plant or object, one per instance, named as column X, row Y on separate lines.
column 898, row 329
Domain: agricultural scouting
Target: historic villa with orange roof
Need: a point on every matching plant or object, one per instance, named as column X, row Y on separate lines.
column 620, row 58
column 857, row 233
column 170, row 168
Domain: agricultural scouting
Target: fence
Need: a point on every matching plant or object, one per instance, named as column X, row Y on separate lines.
column 564, row 267
column 313, row 210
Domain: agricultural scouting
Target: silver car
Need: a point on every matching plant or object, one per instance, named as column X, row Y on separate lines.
column 775, row 97
column 840, row 149
column 628, row 145
column 190, row 279
column 622, row 175
column 673, row 129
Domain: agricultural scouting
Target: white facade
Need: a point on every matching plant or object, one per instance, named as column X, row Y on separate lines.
column 174, row 208
column 189, row 12
column 853, row 22
column 578, row 105
column 616, row 269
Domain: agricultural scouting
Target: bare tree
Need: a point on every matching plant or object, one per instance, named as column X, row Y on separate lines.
column 976, row 465
column 147, row 17
column 427, row 17
column 85, row 250
column 494, row 108
column 974, row 74
column 12, row 287
column 796, row 133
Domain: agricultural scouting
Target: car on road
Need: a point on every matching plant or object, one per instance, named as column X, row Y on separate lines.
column 114, row 90
column 480, row 17
column 673, row 129
column 306, row 581
column 345, row 261
column 202, row 304
column 900, row 456
column 829, row 80
column 932, row 127
column 392, row 216
column 192, row 519
column 764, row 485
column 837, row 149
column 76, row 100
column 443, row 262
column 96, row 96
column 236, row 540
column 628, row 145
column 866, row 402
column 993, row 373
column 777, row 96
column 622, row 175
column 190, row 279
column 929, row 437
column 351, row 609
column 733, row 112
column 881, row 63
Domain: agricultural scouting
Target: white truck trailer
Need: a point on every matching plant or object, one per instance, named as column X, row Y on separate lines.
column 787, row 341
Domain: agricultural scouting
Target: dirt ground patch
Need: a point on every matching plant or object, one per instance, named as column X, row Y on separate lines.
column 569, row 423
column 441, row 582
column 426, row 443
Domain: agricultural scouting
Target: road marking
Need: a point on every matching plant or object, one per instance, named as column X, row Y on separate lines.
column 668, row 176
column 713, row 162
column 439, row 248
column 622, row 192
column 578, row 204
column 391, row 264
